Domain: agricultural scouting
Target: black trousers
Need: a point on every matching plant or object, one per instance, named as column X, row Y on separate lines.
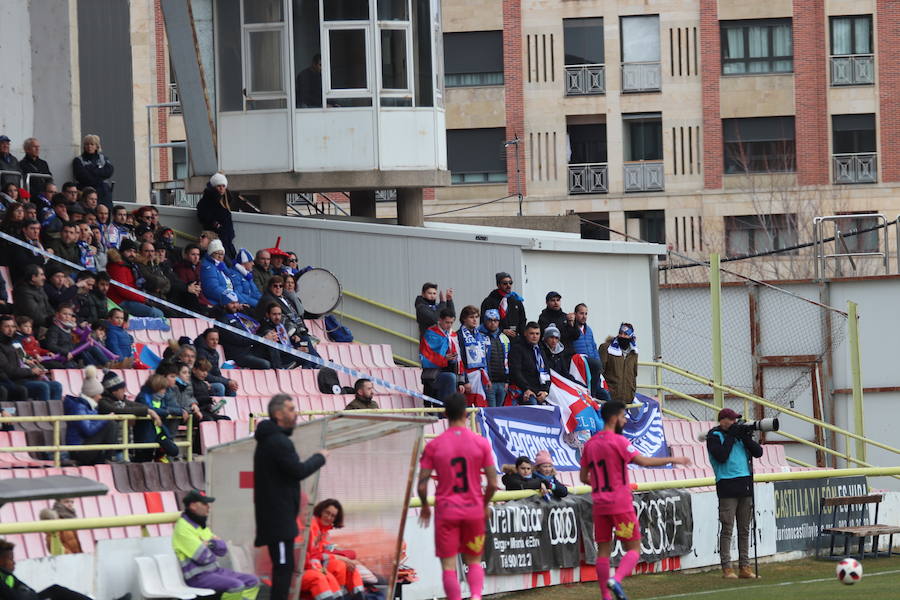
column 107, row 435
column 58, row 592
column 282, row 555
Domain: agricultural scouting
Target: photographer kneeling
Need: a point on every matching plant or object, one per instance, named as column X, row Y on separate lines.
column 730, row 446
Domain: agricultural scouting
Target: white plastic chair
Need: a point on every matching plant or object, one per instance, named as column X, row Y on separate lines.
column 151, row 582
column 173, row 579
column 240, row 562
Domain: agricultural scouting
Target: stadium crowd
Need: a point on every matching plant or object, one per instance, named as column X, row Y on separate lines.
column 498, row 357
column 61, row 317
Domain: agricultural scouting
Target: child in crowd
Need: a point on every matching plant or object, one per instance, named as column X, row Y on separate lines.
column 118, row 340
column 203, row 391
column 520, row 476
column 153, row 394
column 34, row 354
column 546, row 474
column 72, row 343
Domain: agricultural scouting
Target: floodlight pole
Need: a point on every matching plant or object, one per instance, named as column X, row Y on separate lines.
column 856, row 371
column 507, row 144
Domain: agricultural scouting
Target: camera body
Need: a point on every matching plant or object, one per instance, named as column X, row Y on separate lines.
column 744, row 428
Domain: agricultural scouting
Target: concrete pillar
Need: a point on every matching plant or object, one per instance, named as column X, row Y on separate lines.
column 273, row 202
column 362, row 203
column 410, row 210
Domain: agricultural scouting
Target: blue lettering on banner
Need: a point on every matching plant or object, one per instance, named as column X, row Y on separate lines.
column 644, row 427
column 525, row 431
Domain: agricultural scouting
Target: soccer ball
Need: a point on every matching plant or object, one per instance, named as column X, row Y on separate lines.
column 849, row 571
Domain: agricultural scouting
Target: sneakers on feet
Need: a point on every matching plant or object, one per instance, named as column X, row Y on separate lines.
column 616, row 588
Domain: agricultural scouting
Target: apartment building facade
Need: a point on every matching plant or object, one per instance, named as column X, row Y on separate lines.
column 704, row 124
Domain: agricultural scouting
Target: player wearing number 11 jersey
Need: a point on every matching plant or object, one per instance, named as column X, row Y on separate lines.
column 604, row 466
column 457, row 456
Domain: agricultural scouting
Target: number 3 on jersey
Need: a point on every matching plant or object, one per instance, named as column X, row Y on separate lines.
column 459, row 463
column 596, row 469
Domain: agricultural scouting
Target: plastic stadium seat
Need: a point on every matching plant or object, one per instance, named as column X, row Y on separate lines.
column 152, row 482
column 136, row 477
column 182, row 477
column 121, row 479
column 209, row 436
column 151, row 582
column 122, row 504
column 139, row 507
column 197, row 475
column 172, row 578
column 266, row 385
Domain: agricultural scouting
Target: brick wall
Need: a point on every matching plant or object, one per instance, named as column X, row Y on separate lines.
column 515, row 99
column 810, row 89
column 162, row 90
column 887, row 42
column 710, row 70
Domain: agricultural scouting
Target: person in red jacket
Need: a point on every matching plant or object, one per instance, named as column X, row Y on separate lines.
column 121, row 268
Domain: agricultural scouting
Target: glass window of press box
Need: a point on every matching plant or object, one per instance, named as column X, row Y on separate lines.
column 327, row 54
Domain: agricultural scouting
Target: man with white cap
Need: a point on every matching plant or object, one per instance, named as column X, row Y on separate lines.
column 214, row 211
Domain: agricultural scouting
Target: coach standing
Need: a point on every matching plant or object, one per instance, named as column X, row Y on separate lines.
column 277, row 473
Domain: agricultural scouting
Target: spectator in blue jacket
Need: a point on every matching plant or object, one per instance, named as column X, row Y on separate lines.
column 118, row 340
column 586, row 345
column 217, row 278
column 89, row 432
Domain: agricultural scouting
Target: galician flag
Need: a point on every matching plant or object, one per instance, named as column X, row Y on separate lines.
column 571, row 398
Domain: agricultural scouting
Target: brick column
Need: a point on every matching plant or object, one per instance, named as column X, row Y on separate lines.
column 515, row 98
column 887, row 41
column 710, row 71
column 810, row 89
column 162, row 91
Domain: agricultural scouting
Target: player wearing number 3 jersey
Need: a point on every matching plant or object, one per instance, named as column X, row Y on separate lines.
column 604, row 466
column 457, row 456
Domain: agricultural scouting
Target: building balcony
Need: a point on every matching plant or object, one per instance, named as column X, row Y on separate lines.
column 585, row 80
column 861, row 167
column 644, row 176
column 641, row 77
column 589, row 178
column 856, row 69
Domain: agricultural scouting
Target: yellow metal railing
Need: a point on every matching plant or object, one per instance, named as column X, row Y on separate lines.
column 380, row 305
column 751, row 399
column 57, row 448
column 143, row 520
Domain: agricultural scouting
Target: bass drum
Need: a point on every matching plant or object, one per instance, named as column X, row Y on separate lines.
column 319, row 291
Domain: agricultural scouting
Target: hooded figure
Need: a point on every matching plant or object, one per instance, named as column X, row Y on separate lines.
column 620, row 363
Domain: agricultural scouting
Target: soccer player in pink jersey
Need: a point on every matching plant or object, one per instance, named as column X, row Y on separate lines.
column 461, row 508
column 604, row 466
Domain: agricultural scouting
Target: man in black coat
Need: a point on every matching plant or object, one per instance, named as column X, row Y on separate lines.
column 430, row 304
column 554, row 315
column 33, row 163
column 528, row 366
column 277, row 473
column 509, row 304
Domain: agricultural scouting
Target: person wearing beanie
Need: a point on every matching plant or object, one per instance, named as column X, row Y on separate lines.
column 509, row 304
column 113, row 400
column 559, row 356
column 554, row 315
column 546, row 474
column 89, row 432
column 217, row 279
column 214, row 212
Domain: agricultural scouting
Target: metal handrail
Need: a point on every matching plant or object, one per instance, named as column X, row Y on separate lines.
column 376, row 326
column 396, row 311
column 13, row 173
column 29, row 176
column 660, row 366
column 821, row 258
column 57, row 448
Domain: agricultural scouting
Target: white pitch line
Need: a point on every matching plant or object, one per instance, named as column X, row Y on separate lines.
column 759, row 587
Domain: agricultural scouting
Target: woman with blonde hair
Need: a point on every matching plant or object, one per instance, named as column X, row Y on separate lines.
column 93, row 169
